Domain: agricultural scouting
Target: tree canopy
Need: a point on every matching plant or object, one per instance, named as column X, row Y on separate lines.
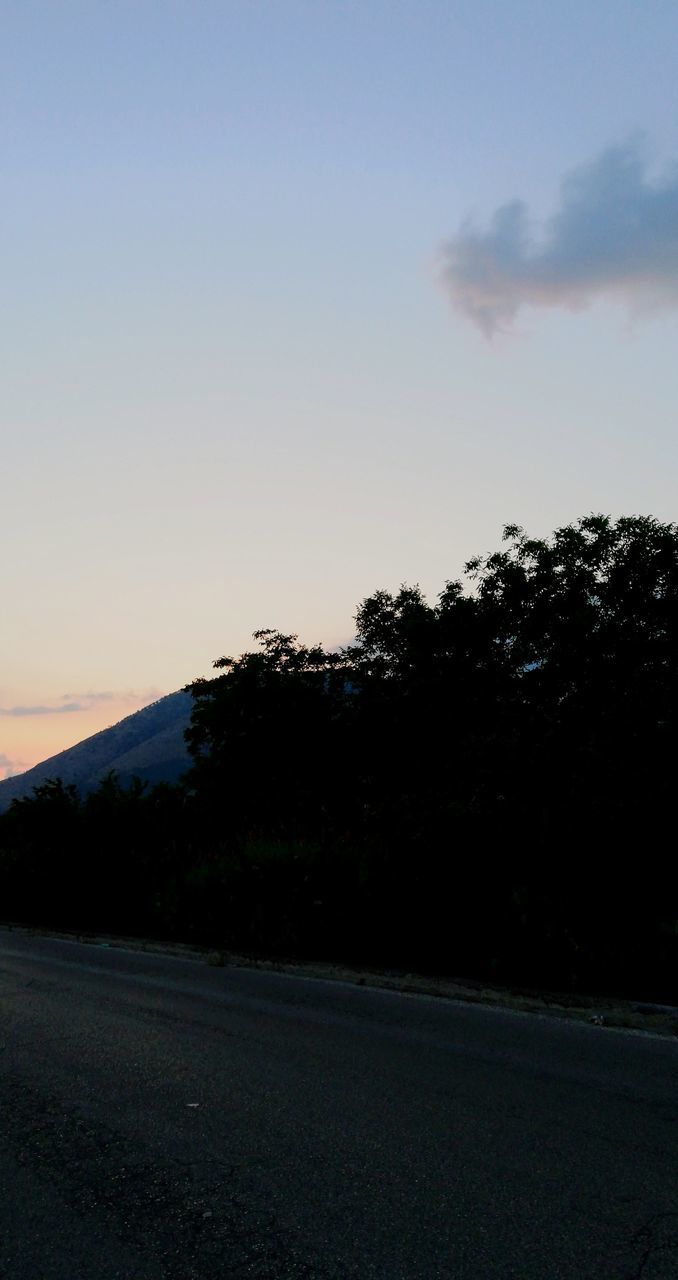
column 483, row 784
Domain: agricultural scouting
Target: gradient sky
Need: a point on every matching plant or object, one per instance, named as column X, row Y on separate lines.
column 250, row 270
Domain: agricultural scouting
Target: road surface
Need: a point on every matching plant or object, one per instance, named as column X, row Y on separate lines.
column 160, row 1120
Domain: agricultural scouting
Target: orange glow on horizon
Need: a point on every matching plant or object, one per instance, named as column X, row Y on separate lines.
column 27, row 740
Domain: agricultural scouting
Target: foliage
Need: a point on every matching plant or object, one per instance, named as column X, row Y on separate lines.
column 481, row 786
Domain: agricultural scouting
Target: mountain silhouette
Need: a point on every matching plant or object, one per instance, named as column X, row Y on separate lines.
column 148, row 744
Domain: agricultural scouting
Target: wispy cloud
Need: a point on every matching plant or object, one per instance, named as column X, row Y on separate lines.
column 74, row 702
column 110, row 695
column 9, row 767
column 614, row 234
column 40, row 710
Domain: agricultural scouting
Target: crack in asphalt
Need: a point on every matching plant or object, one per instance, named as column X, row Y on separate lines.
column 654, row 1242
column 187, row 1219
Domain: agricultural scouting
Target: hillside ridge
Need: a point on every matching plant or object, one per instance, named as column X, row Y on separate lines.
column 149, row 743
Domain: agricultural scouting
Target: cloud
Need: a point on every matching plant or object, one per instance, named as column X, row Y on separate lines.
column 614, row 234
column 108, row 695
column 72, row 702
column 42, row 711
column 9, row 767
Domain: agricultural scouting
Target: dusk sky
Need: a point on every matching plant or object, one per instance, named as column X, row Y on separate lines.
column 304, row 299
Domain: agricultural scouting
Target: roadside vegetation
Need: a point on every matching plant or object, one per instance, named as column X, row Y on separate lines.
column 482, row 787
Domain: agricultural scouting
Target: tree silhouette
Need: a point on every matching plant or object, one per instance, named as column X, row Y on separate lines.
column 481, row 785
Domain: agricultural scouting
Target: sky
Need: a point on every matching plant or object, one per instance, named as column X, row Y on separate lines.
column 305, row 298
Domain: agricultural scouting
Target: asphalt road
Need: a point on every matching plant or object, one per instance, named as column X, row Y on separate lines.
column 160, row 1119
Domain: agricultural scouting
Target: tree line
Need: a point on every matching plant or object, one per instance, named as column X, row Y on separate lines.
column 483, row 786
